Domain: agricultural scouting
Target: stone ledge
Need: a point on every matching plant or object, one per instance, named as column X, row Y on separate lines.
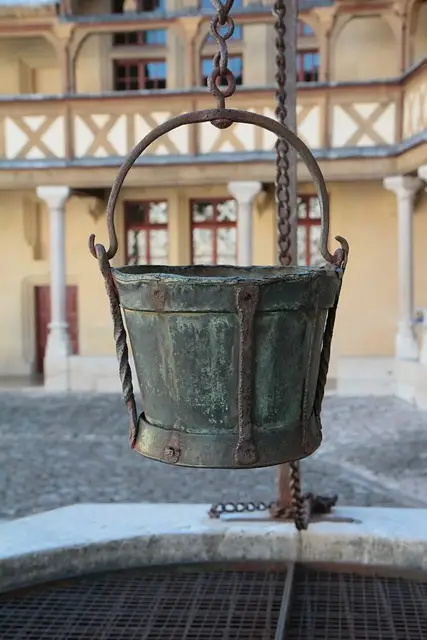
column 91, row 538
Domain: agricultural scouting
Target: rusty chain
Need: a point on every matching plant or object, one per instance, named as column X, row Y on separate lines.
column 313, row 505
column 220, row 70
column 284, row 215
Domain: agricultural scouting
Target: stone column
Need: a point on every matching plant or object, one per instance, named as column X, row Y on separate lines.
column 405, row 188
column 244, row 194
column 422, row 172
column 58, row 340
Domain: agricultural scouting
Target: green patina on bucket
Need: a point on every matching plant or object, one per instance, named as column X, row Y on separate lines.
column 185, row 328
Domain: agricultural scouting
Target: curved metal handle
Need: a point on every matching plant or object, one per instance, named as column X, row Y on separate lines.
column 232, row 115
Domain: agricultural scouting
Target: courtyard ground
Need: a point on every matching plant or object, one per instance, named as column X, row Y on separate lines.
column 57, row 450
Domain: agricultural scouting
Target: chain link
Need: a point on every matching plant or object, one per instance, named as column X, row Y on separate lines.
column 220, row 70
column 313, row 505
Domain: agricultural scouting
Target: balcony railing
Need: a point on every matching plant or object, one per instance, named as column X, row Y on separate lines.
column 358, row 119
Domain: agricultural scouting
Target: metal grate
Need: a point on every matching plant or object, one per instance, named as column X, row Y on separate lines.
column 221, row 604
column 126, row 605
column 347, row 606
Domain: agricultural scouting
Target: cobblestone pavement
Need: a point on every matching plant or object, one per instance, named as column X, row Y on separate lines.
column 57, row 450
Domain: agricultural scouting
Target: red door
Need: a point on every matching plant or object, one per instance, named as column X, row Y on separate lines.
column 42, row 312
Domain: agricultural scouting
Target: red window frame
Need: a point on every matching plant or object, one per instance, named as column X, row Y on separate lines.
column 142, row 79
column 308, row 223
column 138, row 41
column 301, row 70
column 213, row 224
column 146, row 226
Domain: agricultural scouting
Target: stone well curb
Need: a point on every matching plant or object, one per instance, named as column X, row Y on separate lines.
column 89, row 538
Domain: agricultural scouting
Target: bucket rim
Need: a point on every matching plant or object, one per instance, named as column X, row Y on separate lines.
column 221, row 274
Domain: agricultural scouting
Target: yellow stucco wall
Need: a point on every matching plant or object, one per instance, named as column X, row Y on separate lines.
column 366, row 321
column 361, row 48
column 364, row 48
column 28, row 65
column 20, row 273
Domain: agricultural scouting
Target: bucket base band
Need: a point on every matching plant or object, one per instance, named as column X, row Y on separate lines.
column 216, row 451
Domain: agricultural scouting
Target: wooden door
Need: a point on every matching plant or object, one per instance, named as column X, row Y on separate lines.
column 42, row 319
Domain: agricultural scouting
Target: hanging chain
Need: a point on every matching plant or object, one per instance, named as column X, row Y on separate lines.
column 283, row 196
column 284, row 213
column 220, row 72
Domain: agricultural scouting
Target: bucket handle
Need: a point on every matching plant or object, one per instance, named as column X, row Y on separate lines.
column 237, row 116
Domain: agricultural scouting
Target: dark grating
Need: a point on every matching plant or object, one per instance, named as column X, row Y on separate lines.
column 348, row 606
column 127, row 605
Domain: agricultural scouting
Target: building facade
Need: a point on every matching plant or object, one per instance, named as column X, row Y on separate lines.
column 83, row 82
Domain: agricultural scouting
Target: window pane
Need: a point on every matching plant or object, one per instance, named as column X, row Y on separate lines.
column 158, row 212
column 227, row 211
column 314, row 209
column 155, row 70
column 120, row 71
column 304, row 29
column 315, row 256
column 202, row 212
column 226, row 245
column 137, row 246
column 302, row 208
column 150, row 5
column 207, row 65
column 135, row 214
column 203, row 246
column 158, row 246
column 235, row 64
column 119, row 38
column 301, row 245
column 155, row 37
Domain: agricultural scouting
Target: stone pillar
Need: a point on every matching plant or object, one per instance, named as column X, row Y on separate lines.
column 244, row 194
column 405, row 188
column 422, row 172
column 58, row 340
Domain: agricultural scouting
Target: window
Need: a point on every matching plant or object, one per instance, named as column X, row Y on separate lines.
column 213, row 229
column 235, row 64
column 304, row 30
column 151, row 38
column 308, row 63
column 141, row 5
column 308, row 231
column 146, row 226
column 132, row 75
